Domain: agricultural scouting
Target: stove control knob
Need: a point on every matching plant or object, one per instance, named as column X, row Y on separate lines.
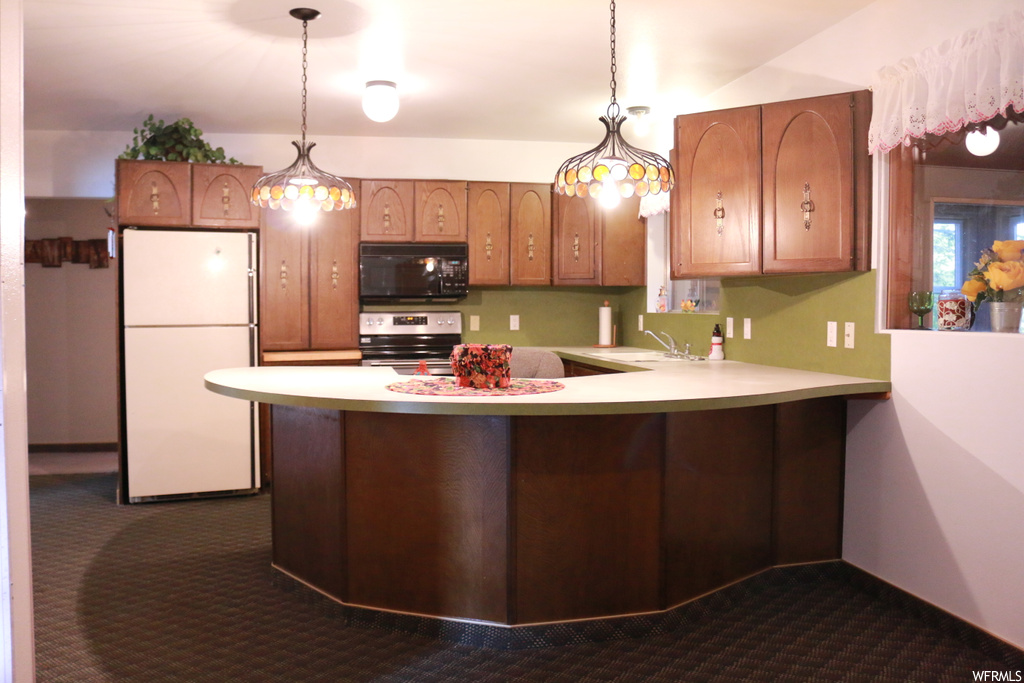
column 451, row 320
column 380, row 321
column 368, row 321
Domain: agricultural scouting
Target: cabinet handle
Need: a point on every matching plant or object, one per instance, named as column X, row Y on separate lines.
column 334, row 274
column 576, row 247
column 387, row 218
column 154, row 196
column 529, row 247
column 284, row 275
column 488, row 247
column 807, row 206
column 440, row 217
column 225, row 199
column 719, row 213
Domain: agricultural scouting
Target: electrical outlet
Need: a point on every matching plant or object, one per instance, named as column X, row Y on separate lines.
column 474, row 323
column 848, row 335
column 640, row 323
column 513, row 322
column 832, row 332
column 746, row 328
column 728, row 328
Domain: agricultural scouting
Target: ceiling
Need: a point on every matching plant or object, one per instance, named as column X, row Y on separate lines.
column 477, row 69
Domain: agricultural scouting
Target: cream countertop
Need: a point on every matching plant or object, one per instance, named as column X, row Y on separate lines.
column 647, row 387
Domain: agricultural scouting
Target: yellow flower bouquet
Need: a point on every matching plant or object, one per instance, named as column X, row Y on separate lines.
column 998, row 275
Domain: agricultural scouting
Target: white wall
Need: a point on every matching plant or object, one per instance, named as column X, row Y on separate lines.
column 81, row 163
column 935, row 477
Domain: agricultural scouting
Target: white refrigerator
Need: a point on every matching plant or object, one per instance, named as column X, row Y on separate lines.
column 188, row 307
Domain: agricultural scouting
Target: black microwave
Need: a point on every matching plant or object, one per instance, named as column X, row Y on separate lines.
column 413, row 271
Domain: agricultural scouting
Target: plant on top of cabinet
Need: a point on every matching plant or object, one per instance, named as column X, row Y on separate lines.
column 777, row 188
column 178, row 141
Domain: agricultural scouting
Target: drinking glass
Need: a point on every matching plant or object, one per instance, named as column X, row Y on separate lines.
column 920, row 303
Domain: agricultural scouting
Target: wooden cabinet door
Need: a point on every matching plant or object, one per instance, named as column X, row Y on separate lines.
column 716, row 211
column 154, row 193
column 529, row 234
column 623, row 245
column 334, row 281
column 387, row 210
column 808, row 185
column 221, row 196
column 577, row 245
column 284, row 292
column 488, row 225
column 441, row 211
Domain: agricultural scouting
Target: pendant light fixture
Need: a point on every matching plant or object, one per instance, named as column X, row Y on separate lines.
column 615, row 169
column 302, row 188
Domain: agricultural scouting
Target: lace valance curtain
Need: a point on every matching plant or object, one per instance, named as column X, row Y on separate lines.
column 965, row 80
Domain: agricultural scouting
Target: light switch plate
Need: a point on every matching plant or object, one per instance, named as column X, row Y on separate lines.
column 848, row 336
column 746, row 328
column 832, row 332
column 474, row 323
column 640, row 323
column 513, row 322
column 728, row 328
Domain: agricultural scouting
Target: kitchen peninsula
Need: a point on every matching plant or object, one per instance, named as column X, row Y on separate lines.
column 623, row 493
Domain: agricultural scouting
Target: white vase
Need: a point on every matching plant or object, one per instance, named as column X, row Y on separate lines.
column 1005, row 315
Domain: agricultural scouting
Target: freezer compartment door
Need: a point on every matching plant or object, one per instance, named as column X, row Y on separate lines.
column 181, row 438
column 194, row 277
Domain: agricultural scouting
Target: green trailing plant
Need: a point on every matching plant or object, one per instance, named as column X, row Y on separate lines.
column 178, row 141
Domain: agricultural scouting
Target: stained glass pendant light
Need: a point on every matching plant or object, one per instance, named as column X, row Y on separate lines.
column 302, row 188
column 615, row 169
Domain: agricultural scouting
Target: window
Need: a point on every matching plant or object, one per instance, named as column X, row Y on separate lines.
column 947, row 272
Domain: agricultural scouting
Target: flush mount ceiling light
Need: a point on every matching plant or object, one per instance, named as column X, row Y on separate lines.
column 615, row 169
column 302, row 188
column 981, row 143
column 380, row 100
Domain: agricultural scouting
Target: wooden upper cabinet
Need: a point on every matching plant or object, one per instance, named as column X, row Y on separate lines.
column 529, row 234
column 577, row 245
column 221, row 196
column 488, row 224
column 440, row 211
column 156, row 193
column 716, row 213
column 387, row 211
column 809, row 184
column 334, row 281
column 284, row 300
column 623, row 245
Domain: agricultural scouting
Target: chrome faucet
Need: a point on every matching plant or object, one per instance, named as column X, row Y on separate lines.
column 671, row 346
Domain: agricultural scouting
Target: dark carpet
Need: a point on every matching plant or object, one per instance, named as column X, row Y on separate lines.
column 185, row 592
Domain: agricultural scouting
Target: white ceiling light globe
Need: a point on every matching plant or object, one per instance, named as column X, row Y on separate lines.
column 380, row 100
column 982, row 143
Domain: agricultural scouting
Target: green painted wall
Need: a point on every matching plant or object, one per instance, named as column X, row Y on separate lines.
column 788, row 323
column 788, row 316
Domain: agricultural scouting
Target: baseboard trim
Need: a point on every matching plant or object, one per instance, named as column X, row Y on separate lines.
column 72, row 447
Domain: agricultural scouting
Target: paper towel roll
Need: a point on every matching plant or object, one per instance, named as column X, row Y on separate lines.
column 604, row 325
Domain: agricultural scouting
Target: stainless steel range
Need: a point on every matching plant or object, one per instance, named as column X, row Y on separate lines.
column 402, row 340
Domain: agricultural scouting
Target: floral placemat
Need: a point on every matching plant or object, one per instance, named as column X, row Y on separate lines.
column 445, row 386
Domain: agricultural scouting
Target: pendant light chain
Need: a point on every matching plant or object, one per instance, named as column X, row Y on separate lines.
column 612, row 26
column 304, row 64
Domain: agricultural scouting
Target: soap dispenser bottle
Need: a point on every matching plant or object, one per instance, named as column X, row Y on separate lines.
column 717, row 353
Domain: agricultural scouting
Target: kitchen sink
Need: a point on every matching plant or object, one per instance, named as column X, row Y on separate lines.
column 633, row 356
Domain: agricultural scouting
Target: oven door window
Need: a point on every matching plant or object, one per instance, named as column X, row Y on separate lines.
column 399, row 276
